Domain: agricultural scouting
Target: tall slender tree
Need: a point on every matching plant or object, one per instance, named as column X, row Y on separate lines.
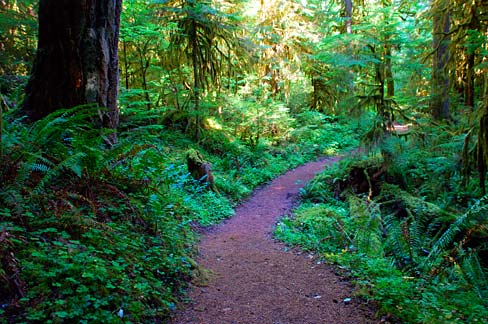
column 439, row 104
column 206, row 36
column 77, row 59
column 348, row 15
column 469, row 19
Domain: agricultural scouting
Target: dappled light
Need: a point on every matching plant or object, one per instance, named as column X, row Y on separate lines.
column 251, row 161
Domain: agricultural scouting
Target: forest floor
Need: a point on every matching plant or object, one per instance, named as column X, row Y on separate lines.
column 250, row 278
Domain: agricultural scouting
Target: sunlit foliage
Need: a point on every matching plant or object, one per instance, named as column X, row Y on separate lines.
column 94, row 233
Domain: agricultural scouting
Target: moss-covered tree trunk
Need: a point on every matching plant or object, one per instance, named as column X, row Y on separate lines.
column 200, row 169
column 439, row 104
column 390, row 81
column 196, row 76
column 77, row 58
column 469, row 83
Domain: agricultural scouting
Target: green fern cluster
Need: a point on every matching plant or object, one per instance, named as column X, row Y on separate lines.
column 422, row 261
column 88, row 230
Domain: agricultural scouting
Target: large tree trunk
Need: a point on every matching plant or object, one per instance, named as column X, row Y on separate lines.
column 439, row 104
column 77, row 59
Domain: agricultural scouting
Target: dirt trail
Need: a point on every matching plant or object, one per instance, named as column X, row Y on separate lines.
column 255, row 280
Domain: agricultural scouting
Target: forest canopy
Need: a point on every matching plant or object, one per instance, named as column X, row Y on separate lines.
column 101, row 103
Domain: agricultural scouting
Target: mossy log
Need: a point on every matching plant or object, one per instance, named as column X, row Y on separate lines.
column 200, row 169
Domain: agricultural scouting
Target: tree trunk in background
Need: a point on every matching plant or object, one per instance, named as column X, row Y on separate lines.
column 77, row 58
column 196, row 76
column 469, row 82
column 470, row 52
column 348, row 15
column 390, row 82
column 483, row 141
column 145, row 64
column 381, row 104
column 439, row 103
column 126, row 66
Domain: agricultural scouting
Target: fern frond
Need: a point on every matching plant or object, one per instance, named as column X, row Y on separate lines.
column 129, row 152
column 395, row 244
column 474, row 274
column 40, row 167
column 72, row 163
column 32, row 162
column 368, row 222
column 416, row 234
column 54, row 127
column 459, row 225
column 411, row 232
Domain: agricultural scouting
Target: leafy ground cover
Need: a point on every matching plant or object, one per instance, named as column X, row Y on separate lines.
column 405, row 226
column 96, row 234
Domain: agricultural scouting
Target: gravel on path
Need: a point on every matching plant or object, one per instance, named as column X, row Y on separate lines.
column 250, row 278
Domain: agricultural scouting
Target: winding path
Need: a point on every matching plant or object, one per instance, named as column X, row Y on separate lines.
column 252, row 279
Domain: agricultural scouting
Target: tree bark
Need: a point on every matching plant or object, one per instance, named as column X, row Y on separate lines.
column 390, row 82
column 440, row 77
column 469, row 86
column 196, row 76
column 77, row 59
column 145, row 64
column 483, row 142
column 348, row 15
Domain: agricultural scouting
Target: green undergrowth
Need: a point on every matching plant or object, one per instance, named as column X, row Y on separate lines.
column 411, row 239
column 93, row 234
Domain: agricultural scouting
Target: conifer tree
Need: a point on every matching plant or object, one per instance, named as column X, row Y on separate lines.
column 77, row 59
column 439, row 104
